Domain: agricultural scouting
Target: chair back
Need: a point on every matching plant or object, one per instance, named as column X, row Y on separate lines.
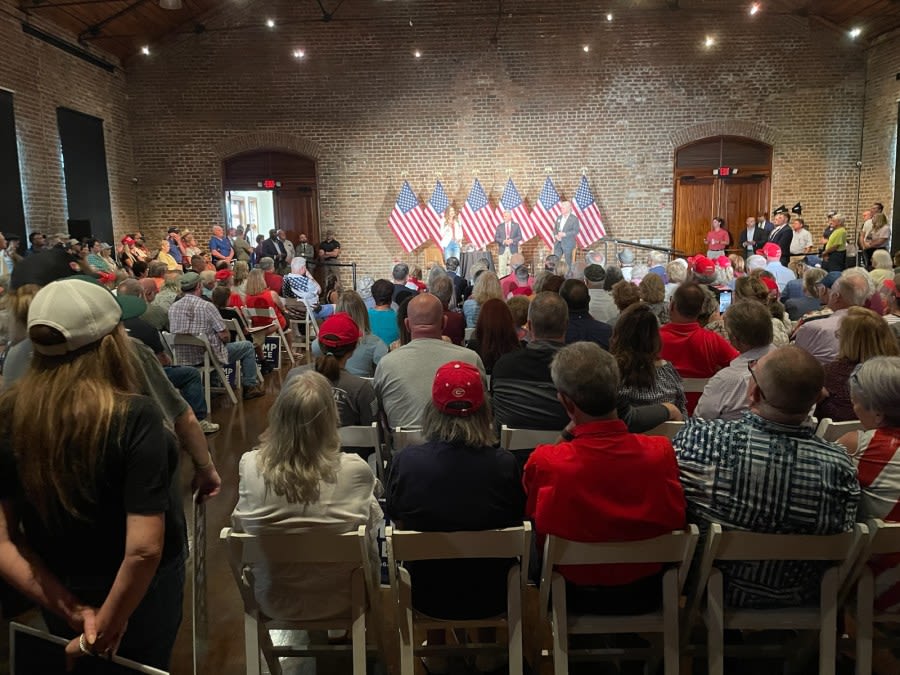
column 364, row 437
column 525, row 439
column 401, row 438
column 668, row 429
column 830, row 430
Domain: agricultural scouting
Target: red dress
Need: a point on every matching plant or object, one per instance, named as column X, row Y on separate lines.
column 262, row 301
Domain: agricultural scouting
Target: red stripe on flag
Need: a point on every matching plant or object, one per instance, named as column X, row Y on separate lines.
column 409, row 227
column 591, row 225
column 433, row 220
column 544, row 221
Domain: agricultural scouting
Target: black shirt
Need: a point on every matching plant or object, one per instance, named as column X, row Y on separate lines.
column 329, row 246
column 143, row 331
column 139, row 475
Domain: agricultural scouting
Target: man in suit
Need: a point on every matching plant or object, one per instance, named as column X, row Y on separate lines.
column 753, row 237
column 565, row 229
column 508, row 237
column 460, row 285
column 782, row 235
column 274, row 249
column 763, row 222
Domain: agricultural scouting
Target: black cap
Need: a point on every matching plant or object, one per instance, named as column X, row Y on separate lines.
column 172, row 229
column 42, row 268
column 780, row 209
column 797, row 209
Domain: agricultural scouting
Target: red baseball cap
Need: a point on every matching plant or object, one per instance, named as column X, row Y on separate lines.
column 127, row 240
column 339, row 330
column 703, row 266
column 723, row 261
column 770, row 250
column 221, row 275
column 769, row 283
column 457, row 389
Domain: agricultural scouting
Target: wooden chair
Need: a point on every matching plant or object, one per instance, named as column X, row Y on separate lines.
column 668, row 429
column 884, row 539
column 830, row 430
column 842, row 550
column 525, row 439
column 321, row 548
column 268, row 312
column 208, row 366
column 401, row 438
column 675, row 549
column 365, row 437
column 513, row 542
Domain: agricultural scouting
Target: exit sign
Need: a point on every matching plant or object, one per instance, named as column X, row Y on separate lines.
column 724, row 171
column 268, row 184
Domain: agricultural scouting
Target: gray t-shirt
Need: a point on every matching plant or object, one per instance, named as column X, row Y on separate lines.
column 354, row 397
column 404, row 377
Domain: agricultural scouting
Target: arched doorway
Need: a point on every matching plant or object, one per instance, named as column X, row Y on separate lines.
column 272, row 189
column 701, row 193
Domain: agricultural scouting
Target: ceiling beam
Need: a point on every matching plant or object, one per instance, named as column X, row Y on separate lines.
column 39, row 4
column 94, row 30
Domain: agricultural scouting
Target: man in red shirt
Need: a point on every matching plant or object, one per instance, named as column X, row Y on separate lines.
column 693, row 350
column 601, row 483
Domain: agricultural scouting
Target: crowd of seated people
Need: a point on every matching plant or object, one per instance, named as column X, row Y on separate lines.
column 587, row 353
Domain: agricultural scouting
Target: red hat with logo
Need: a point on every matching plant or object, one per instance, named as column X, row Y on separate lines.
column 222, row 275
column 770, row 250
column 723, row 261
column 457, row 389
column 703, row 266
column 127, row 240
column 338, row 330
column 769, row 283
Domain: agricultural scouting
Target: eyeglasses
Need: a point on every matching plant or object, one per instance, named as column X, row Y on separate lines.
column 750, row 366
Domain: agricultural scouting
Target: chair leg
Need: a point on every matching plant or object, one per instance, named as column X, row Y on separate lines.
column 514, row 620
column 251, row 645
column 715, row 623
column 358, row 630
column 865, row 599
column 828, row 629
column 559, row 625
column 670, row 621
column 407, row 633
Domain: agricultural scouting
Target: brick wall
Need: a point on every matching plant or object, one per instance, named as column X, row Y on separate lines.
column 43, row 78
column 880, row 134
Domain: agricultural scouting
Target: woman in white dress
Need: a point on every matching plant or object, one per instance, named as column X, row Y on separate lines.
column 451, row 234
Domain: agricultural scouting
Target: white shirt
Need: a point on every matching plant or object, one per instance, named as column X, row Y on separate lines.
column 725, row 395
column 801, row 241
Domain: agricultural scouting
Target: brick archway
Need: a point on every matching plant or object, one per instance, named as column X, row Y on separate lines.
column 267, row 140
column 727, row 127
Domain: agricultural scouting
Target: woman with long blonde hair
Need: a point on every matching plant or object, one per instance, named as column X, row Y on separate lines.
column 487, row 286
column 94, row 486
column 260, row 296
column 298, row 479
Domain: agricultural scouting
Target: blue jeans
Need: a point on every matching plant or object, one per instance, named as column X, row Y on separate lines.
column 244, row 352
column 452, row 250
column 324, row 312
column 188, row 382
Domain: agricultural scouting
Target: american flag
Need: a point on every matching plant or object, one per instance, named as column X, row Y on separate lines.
column 588, row 214
column 434, row 211
column 477, row 219
column 408, row 221
column 545, row 211
column 512, row 201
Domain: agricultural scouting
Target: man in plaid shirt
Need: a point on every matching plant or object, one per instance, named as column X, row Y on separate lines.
column 192, row 315
column 767, row 473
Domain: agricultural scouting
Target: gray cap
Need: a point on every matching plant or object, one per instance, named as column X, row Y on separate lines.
column 189, row 281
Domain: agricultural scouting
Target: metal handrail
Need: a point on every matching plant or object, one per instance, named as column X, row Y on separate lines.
column 624, row 243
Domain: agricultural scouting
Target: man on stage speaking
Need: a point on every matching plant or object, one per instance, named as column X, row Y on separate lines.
column 508, row 237
column 564, row 231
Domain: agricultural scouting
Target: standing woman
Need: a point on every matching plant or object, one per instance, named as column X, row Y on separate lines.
column 717, row 239
column 90, row 506
column 451, row 234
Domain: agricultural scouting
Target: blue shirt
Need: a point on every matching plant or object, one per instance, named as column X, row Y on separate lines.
column 175, row 252
column 384, row 325
column 222, row 245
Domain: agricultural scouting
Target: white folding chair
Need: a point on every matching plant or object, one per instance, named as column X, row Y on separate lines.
column 208, row 366
column 525, row 439
column 401, row 438
column 235, row 325
column 320, row 548
column 310, row 325
column 469, row 334
column 365, row 437
column 668, row 429
column 842, row 550
column 675, row 549
column 269, row 313
column 830, row 430
column 513, row 542
column 884, row 539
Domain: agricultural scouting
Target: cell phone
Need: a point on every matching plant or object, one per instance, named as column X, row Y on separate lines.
column 724, row 301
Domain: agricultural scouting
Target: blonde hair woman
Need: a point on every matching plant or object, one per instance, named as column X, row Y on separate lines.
column 260, row 296
column 298, row 479
column 241, row 273
column 487, row 286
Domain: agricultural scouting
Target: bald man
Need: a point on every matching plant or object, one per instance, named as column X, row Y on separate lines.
column 767, row 473
column 403, row 377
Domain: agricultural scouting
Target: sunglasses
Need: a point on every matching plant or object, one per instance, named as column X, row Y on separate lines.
column 750, row 366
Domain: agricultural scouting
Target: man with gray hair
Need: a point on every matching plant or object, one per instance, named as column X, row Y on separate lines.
column 274, row 281
column 820, row 337
column 601, row 483
column 400, row 276
column 300, row 285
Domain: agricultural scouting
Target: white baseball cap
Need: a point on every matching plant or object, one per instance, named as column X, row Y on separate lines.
column 82, row 311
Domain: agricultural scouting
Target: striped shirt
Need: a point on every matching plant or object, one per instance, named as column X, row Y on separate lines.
column 757, row 475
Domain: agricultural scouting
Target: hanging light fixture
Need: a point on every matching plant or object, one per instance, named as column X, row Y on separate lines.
column 170, row 4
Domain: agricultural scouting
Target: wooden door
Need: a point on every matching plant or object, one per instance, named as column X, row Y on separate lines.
column 695, row 201
column 297, row 212
column 740, row 198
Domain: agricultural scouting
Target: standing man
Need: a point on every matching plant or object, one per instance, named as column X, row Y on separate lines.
column 782, row 235
column 879, row 234
column 38, row 243
column 801, row 241
column 508, row 237
column 242, row 247
column 220, row 247
column 565, row 229
column 763, row 222
column 330, row 249
column 304, row 249
column 753, row 237
column 274, row 249
column 288, row 246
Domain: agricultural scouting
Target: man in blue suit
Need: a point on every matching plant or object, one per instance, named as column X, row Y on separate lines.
column 782, row 234
column 508, row 237
column 565, row 229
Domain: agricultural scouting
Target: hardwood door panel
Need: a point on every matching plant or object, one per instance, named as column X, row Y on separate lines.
column 695, row 201
column 740, row 198
column 297, row 212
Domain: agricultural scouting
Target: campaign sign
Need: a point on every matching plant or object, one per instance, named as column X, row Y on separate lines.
column 230, row 370
column 272, row 351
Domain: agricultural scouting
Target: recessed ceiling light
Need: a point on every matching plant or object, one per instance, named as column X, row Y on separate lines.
column 299, row 53
column 270, row 23
column 709, row 41
column 417, row 54
column 856, row 32
column 609, row 17
column 587, row 48
column 754, row 8
column 145, row 50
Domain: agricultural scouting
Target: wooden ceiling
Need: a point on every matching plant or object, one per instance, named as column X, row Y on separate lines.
column 123, row 27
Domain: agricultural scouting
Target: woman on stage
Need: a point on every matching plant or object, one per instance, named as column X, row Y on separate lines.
column 451, row 234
